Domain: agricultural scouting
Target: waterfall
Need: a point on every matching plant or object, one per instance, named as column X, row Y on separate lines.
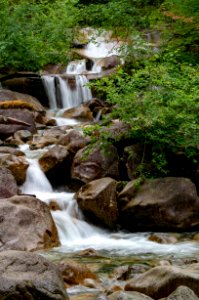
column 75, row 233
column 49, row 86
column 61, row 95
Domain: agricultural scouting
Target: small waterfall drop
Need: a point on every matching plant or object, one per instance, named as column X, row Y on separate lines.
column 61, row 95
column 75, row 233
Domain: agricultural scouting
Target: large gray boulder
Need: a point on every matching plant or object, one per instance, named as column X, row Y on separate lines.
column 8, row 185
column 161, row 281
column 93, row 163
column 25, row 275
column 97, row 199
column 159, row 204
column 26, row 224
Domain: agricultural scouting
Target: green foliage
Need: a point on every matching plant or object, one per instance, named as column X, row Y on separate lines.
column 35, row 33
column 160, row 103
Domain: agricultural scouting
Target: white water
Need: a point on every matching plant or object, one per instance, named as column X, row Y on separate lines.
column 69, row 97
column 76, row 234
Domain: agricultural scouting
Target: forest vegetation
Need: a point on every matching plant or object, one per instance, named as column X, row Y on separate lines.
column 156, row 91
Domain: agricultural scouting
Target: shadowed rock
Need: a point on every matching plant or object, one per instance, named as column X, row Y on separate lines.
column 25, row 275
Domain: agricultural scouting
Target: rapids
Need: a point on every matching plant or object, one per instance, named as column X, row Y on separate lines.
column 75, row 233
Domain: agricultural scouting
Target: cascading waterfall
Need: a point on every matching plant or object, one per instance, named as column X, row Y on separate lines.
column 75, row 233
column 68, row 97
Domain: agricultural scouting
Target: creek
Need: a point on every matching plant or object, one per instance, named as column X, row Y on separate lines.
column 75, row 233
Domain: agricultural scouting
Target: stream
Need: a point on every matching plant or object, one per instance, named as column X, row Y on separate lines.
column 75, row 233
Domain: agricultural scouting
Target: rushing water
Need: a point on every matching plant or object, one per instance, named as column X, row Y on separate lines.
column 76, row 234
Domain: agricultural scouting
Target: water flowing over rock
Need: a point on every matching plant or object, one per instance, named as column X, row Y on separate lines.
column 26, row 224
column 97, row 200
column 90, row 164
column 60, row 93
column 159, row 204
column 56, row 163
column 24, row 275
column 8, row 185
column 159, row 282
column 122, row 295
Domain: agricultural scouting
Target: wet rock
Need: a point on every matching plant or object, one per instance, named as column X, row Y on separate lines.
column 90, row 164
column 97, row 200
column 17, row 119
column 90, row 283
column 74, row 140
column 18, row 166
column 114, row 288
column 81, row 113
column 23, row 135
column 159, row 204
column 163, row 238
column 26, row 224
column 11, row 150
column 128, row 272
column 161, row 281
column 56, row 163
column 10, row 99
column 8, row 185
column 74, row 273
column 89, row 252
column 182, row 293
column 53, row 205
column 122, row 295
column 24, row 275
column 42, row 141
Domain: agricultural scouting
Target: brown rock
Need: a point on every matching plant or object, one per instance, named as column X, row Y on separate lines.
column 13, row 100
column 161, row 281
column 26, row 122
column 122, row 295
column 74, row 273
column 17, row 165
column 56, row 163
column 25, row 275
column 182, row 293
column 163, row 238
column 74, row 140
column 97, row 200
column 8, row 185
column 90, row 164
column 81, row 113
column 160, row 204
column 26, row 224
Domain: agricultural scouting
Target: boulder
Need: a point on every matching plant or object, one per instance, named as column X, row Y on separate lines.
column 74, row 273
column 93, row 163
column 8, row 185
column 159, row 204
column 56, row 163
column 26, row 83
column 18, row 166
column 13, row 100
column 14, row 120
column 11, row 150
column 97, row 199
column 26, row 224
column 74, row 140
column 122, row 295
column 181, row 293
column 81, row 113
column 160, row 282
column 25, row 275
